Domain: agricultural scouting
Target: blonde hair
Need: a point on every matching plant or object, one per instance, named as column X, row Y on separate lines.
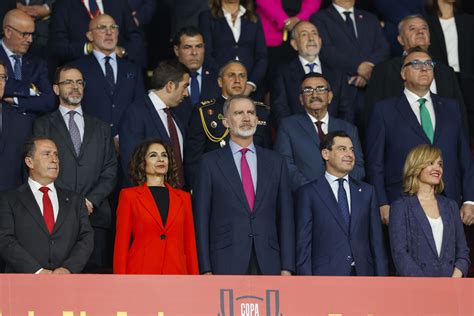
column 418, row 159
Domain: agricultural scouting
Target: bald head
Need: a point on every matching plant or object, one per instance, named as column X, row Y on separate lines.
column 103, row 34
column 18, row 29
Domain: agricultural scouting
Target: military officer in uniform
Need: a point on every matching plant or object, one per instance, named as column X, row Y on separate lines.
column 206, row 131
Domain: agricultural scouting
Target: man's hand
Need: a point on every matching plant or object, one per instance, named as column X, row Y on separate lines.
column 384, row 213
column 365, row 70
column 467, row 214
column 207, row 273
column 90, row 207
column 35, row 11
column 9, row 100
column 457, row 273
column 357, row 81
column 45, row 271
column 285, row 272
column 61, row 270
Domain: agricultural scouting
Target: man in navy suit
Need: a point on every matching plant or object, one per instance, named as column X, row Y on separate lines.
column 242, row 203
column 285, row 94
column 353, row 43
column 27, row 93
column 152, row 117
column 338, row 228
column 418, row 117
column 299, row 136
column 189, row 49
column 70, row 23
column 113, row 83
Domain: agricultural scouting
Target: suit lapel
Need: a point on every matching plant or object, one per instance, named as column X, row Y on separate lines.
column 423, row 221
column 437, row 34
column 448, row 226
column 264, row 173
column 305, row 122
column 323, row 189
column 97, row 72
column 175, row 207
column 409, row 118
column 297, row 71
column 26, row 67
column 29, row 202
column 121, row 75
column 148, row 202
column 89, row 128
column 7, row 61
column 228, row 169
column 341, row 23
column 64, row 209
column 58, row 122
column 155, row 118
column 356, row 202
column 440, row 118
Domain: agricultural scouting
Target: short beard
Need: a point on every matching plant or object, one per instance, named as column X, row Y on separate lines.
column 245, row 133
column 72, row 101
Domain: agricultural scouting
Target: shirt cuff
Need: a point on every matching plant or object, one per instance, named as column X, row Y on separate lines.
column 39, row 271
column 468, row 202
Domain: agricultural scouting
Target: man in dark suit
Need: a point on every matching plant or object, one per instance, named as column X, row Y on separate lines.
column 418, row 117
column 113, row 83
column 44, row 229
column 242, row 203
column 353, row 43
column 386, row 81
column 338, row 228
column 299, row 136
column 88, row 160
column 152, row 117
column 286, row 86
column 70, row 23
column 27, row 93
column 206, row 129
column 189, row 49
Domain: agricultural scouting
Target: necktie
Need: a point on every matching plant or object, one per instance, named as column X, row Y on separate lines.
column 48, row 213
column 175, row 146
column 350, row 23
column 74, row 132
column 343, row 203
column 109, row 74
column 425, row 119
column 320, row 130
column 247, row 179
column 17, row 66
column 93, row 8
column 195, row 93
column 311, row 67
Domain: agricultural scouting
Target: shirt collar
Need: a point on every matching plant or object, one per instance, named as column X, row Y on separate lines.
column 235, row 148
column 35, row 186
column 64, row 110
column 100, row 56
column 341, row 10
column 325, row 119
column 304, row 61
column 412, row 97
column 331, row 178
column 157, row 102
column 227, row 14
column 7, row 51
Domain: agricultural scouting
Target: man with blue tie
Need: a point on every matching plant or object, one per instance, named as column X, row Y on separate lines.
column 338, row 227
column 27, row 93
column 418, row 117
column 299, row 136
column 242, row 203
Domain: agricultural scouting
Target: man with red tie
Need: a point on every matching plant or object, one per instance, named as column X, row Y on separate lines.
column 242, row 202
column 44, row 229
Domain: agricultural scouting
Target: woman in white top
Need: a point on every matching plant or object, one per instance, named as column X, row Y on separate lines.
column 426, row 233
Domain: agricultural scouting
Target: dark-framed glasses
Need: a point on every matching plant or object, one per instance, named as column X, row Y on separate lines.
column 23, row 34
column 102, row 28
column 419, row 64
column 318, row 90
column 3, row 78
column 70, row 83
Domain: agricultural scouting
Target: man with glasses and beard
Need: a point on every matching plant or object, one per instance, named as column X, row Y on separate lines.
column 88, row 160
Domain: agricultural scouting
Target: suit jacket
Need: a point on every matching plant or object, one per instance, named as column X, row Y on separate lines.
column 25, row 243
column 225, row 227
column 70, row 23
column 286, row 91
column 209, row 89
column 386, row 83
column 141, row 121
column 199, row 141
column 97, row 100
column 394, row 130
column 143, row 245
column 6, row 6
column 413, row 247
column 222, row 47
column 145, row 10
column 274, row 16
column 298, row 141
column 93, row 173
column 340, row 49
column 324, row 244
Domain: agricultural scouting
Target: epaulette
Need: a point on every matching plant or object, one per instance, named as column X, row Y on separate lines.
column 258, row 103
column 205, row 103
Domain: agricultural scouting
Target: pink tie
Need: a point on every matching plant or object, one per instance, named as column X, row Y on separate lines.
column 247, row 179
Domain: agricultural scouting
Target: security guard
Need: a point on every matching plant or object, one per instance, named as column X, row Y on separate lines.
column 206, row 131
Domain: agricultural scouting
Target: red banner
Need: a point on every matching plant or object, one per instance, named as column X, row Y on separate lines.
column 110, row 295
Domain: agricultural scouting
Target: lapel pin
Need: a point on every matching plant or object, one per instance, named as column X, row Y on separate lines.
column 213, row 124
column 206, row 72
column 210, row 111
column 361, row 16
column 360, row 190
column 222, row 143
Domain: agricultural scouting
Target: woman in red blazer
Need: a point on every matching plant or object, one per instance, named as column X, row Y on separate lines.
column 155, row 227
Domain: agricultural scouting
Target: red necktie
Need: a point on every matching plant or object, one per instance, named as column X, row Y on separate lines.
column 247, row 181
column 48, row 213
column 320, row 130
column 175, row 146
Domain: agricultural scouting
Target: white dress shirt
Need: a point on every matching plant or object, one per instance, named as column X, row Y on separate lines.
column 451, row 40
column 324, row 120
column 415, row 105
column 437, row 228
column 251, row 157
column 317, row 67
column 101, row 59
column 52, row 193
column 235, row 28
column 78, row 118
column 335, row 187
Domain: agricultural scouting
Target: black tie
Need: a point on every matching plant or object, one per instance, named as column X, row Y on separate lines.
column 349, row 23
column 109, row 74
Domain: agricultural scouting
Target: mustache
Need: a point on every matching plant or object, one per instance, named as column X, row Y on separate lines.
column 316, row 98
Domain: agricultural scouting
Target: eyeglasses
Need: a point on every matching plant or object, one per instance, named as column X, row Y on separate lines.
column 318, row 90
column 103, row 28
column 3, row 78
column 23, row 34
column 70, row 83
column 418, row 64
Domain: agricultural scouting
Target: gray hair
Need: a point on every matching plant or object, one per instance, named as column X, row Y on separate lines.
column 228, row 102
column 409, row 17
column 230, row 62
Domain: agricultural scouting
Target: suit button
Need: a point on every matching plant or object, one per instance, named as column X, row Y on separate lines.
column 252, row 217
column 250, row 235
column 349, row 258
column 236, row 46
column 450, row 261
column 163, row 237
column 51, row 242
column 111, row 125
column 113, row 106
column 423, row 265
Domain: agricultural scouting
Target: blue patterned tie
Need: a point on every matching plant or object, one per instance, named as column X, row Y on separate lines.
column 343, row 203
column 17, row 66
column 194, row 87
column 350, row 23
column 93, row 8
column 74, row 132
column 109, row 74
column 311, row 67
